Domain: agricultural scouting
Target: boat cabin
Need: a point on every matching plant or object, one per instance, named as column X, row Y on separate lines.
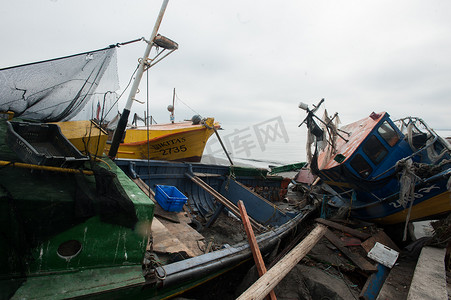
column 366, row 154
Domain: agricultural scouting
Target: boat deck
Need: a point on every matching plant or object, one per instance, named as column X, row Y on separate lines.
column 175, row 233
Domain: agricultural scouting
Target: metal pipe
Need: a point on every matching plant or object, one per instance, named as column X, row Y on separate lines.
column 122, row 124
column 222, row 145
column 44, row 168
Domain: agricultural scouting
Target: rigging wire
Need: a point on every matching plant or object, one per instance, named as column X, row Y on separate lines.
column 177, row 97
column 148, row 127
column 69, row 56
column 117, row 100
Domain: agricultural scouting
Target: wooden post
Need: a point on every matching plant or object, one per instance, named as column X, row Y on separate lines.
column 271, row 278
column 254, row 245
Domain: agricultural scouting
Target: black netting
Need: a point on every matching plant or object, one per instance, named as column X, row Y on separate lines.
column 59, row 89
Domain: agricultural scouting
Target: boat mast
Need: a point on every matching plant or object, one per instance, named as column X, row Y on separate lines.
column 173, row 106
column 122, row 124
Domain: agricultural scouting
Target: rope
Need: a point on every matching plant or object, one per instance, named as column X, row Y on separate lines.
column 407, row 189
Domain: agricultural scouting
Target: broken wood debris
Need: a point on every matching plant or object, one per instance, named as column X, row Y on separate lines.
column 261, row 268
column 360, row 261
column 270, row 279
column 354, row 232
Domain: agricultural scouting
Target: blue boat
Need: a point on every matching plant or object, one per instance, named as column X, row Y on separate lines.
column 382, row 170
column 213, row 192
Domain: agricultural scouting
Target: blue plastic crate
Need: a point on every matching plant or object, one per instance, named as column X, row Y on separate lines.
column 170, row 198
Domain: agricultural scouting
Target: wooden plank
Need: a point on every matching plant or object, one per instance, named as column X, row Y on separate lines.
column 270, row 279
column 354, row 232
column 382, row 238
column 165, row 242
column 190, row 237
column 360, row 261
column 198, row 174
column 261, row 268
column 221, row 199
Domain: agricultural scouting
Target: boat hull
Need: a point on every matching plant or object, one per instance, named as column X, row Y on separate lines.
column 166, row 142
column 431, row 199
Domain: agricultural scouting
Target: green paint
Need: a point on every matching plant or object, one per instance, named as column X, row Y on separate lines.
column 40, row 210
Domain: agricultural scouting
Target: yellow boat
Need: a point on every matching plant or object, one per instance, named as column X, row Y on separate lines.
column 181, row 141
column 86, row 136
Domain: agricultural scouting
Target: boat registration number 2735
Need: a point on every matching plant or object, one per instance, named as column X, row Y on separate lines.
column 171, row 150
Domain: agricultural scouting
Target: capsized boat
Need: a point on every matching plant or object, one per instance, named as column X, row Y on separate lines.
column 381, row 170
column 179, row 141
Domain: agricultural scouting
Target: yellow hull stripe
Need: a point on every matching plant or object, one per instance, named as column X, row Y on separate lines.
column 433, row 206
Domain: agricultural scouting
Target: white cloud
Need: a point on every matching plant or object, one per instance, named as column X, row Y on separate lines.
column 247, row 60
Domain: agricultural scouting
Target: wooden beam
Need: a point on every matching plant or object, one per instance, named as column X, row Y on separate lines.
column 144, row 187
column 270, row 279
column 221, row 199
column 361, row 262
column 261, row 268
column 354, row 232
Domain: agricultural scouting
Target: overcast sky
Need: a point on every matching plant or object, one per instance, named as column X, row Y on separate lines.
column 249, row 61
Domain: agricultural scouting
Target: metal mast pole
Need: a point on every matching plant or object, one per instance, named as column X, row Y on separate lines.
column 122, row 124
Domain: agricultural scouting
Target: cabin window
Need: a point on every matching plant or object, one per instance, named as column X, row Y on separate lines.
column 374, row 149
column 361, row 166
column 388, row 134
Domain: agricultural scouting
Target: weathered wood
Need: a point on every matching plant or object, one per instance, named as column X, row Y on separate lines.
column 165, row 242
column 354, row 232
column 188, row 235
column 360, row 261
column 289, row 247
column 198, row 174
column 144, row 187
column 382, row 238
column 261, row 268
column 221, row 199
column 270, row 279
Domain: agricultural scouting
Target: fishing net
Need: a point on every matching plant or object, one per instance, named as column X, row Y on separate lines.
column 77, row 87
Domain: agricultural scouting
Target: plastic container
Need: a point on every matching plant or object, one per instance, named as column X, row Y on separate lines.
column 42, row 144
column 170, row 198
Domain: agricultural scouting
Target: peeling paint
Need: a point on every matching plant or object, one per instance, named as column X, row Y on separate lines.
column 117, row 247
column 358, row 132
column 84, row 234
column 124, row 237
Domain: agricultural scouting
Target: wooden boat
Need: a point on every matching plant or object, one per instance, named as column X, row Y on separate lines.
column 88, row 230
column 87, row 136
column 92, row 232
column 381, row 170
column 181, row 141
